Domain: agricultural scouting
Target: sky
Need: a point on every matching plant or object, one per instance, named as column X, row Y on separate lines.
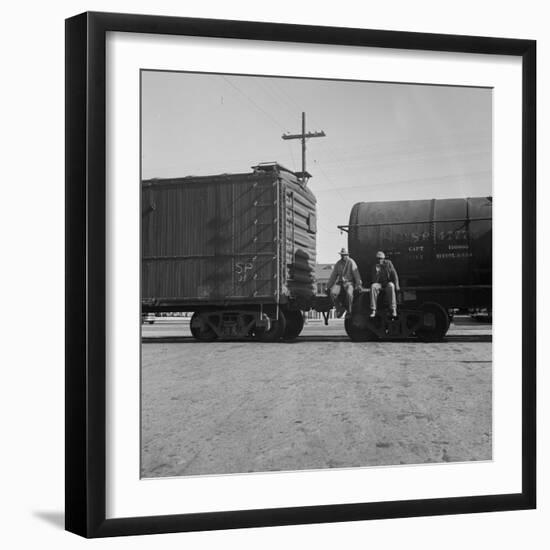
column 384, row 141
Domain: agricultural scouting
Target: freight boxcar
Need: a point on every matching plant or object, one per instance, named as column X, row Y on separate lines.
column 238, row 250
column 442, row 250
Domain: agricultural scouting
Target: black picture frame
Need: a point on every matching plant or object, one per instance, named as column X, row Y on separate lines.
column 86, row 274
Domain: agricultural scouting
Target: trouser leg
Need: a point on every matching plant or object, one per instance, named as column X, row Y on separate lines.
column 374, row 291
column 348, row 287
column 390, row 289
column 334, row 293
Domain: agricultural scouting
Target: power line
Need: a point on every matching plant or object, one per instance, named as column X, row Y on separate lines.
column 429, row 180
column 265, row 85
column 330, row 181
column 253, row 103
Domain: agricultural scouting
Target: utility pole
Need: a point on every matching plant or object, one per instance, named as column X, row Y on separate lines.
column 303, row 136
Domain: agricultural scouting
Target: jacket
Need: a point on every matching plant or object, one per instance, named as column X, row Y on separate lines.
column 344, row 271
column 386, row 274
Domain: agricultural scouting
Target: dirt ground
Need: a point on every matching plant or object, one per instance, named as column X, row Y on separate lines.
column 320, row 402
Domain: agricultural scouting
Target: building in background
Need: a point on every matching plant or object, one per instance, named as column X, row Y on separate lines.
column 322, row 274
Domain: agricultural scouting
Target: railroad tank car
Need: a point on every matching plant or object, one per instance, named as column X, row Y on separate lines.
column 238, row 250
column 442, row 251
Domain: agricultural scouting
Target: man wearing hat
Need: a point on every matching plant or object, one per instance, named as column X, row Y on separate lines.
column 384, row 276
column 345, row 275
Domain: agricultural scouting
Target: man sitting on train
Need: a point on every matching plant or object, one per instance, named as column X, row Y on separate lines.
column 344, row 277
column 384, row 276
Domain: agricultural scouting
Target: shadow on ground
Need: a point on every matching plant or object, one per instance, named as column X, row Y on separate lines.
column 57, row 519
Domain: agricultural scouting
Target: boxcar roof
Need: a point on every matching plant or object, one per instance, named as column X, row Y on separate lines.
column 265, row 167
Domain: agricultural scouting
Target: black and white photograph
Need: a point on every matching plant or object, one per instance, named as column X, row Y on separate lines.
column 316, row 274
column 274, row 275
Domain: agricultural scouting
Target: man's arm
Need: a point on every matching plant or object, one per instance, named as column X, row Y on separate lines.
column 393, row 275
column 356, row 274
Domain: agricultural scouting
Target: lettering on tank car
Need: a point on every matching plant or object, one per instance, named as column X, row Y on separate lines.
column 416, row 237
column 456, row 235
column 422, row 236
column 452, row 255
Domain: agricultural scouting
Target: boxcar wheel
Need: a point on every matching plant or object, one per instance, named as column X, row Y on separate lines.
column 437, row 331
column 275, row 332
column 200, row 330
column 357, row 328
column 294, row 324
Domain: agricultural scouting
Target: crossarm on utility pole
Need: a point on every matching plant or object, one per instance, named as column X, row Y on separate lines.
column 299, row 136
column 303, row 136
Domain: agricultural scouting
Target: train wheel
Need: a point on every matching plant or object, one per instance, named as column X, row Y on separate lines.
column 200, row 329
column 276, row 331
column 357, row 328
column 436, row 323
column 294, row 324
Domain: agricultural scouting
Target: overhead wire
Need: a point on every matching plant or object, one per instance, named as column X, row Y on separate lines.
column 276, row 122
